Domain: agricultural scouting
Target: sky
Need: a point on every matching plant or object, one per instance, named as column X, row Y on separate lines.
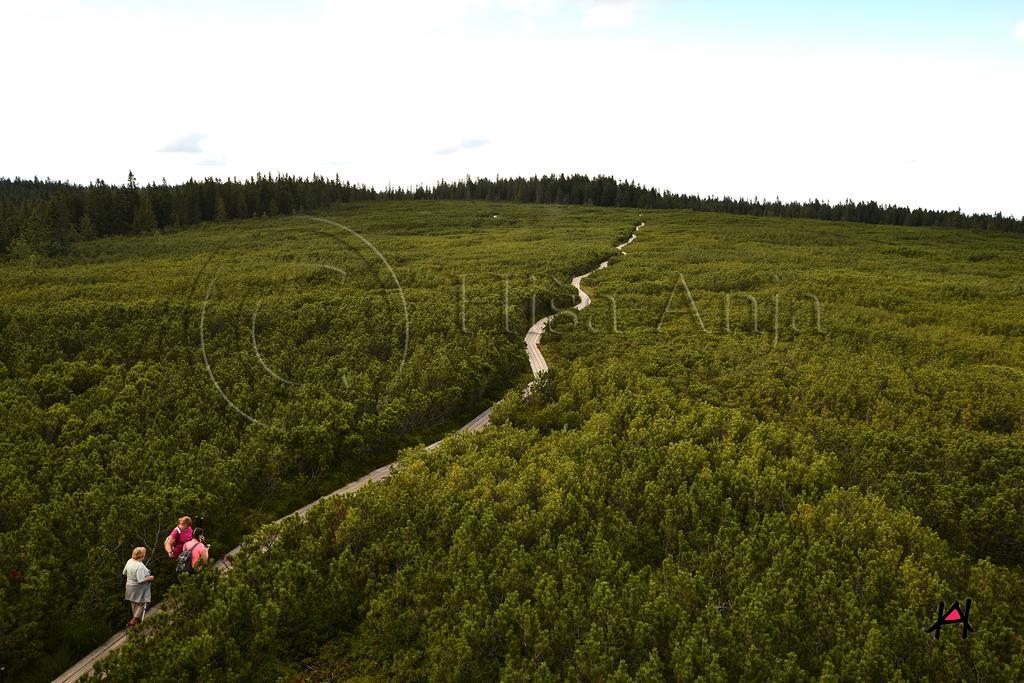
column 908, row 102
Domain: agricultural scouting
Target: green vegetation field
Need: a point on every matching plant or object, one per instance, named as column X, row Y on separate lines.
column 113, row 426
column 676, row 499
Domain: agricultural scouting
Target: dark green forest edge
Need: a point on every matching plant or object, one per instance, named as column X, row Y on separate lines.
column 46, row 217
column 684, row 495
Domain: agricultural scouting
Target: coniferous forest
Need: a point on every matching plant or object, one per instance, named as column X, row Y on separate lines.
column 511, row 340
column 236, row 372
column 768, row 449
column 46, row 217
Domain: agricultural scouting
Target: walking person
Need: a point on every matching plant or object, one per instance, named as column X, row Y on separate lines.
column 194, row 555
column 136, row 587
column 179, row 536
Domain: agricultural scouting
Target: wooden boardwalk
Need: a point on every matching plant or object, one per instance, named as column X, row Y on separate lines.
column 537, row 365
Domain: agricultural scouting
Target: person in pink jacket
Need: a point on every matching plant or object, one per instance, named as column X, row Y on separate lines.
column 179, row 536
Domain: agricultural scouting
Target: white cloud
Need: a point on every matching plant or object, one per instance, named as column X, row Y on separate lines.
column 468, row 143
column 388, row 18
column 339, row 87
column 186, row 144
column 1018, row 31
column 600, row 14
column 533, row 7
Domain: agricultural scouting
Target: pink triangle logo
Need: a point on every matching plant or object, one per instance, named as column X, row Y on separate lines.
column 953, row 616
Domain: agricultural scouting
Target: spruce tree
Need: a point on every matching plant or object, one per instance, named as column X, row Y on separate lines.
column 221, row 212
column 145, row 217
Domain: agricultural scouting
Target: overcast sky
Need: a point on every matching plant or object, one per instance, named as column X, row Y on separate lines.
column 919, row 103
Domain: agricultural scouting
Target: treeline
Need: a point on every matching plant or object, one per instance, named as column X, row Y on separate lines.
column 607, row 191
column 44, row 216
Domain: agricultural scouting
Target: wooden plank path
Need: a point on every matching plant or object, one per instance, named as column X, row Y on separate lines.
column 537, row 365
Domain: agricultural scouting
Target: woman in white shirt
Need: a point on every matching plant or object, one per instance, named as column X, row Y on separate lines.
column 136, row 589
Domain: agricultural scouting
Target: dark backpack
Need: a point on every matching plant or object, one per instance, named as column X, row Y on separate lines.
column 184, row 563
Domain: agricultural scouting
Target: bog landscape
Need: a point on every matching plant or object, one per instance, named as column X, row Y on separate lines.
column 767, row 444
column 511, row 340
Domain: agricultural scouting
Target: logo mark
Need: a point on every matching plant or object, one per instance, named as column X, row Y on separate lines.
column 954, row 616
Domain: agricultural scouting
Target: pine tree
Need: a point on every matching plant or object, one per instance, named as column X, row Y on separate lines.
column 220, row 212
column 145, row 217
column 241, row 208
column 37, row 231
column 86, row 228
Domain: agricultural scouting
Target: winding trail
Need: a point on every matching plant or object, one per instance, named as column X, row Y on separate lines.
column 537, row 365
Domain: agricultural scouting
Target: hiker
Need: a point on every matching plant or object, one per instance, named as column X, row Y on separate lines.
column 194, row 555
column 180, row 535
column 136, row 587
